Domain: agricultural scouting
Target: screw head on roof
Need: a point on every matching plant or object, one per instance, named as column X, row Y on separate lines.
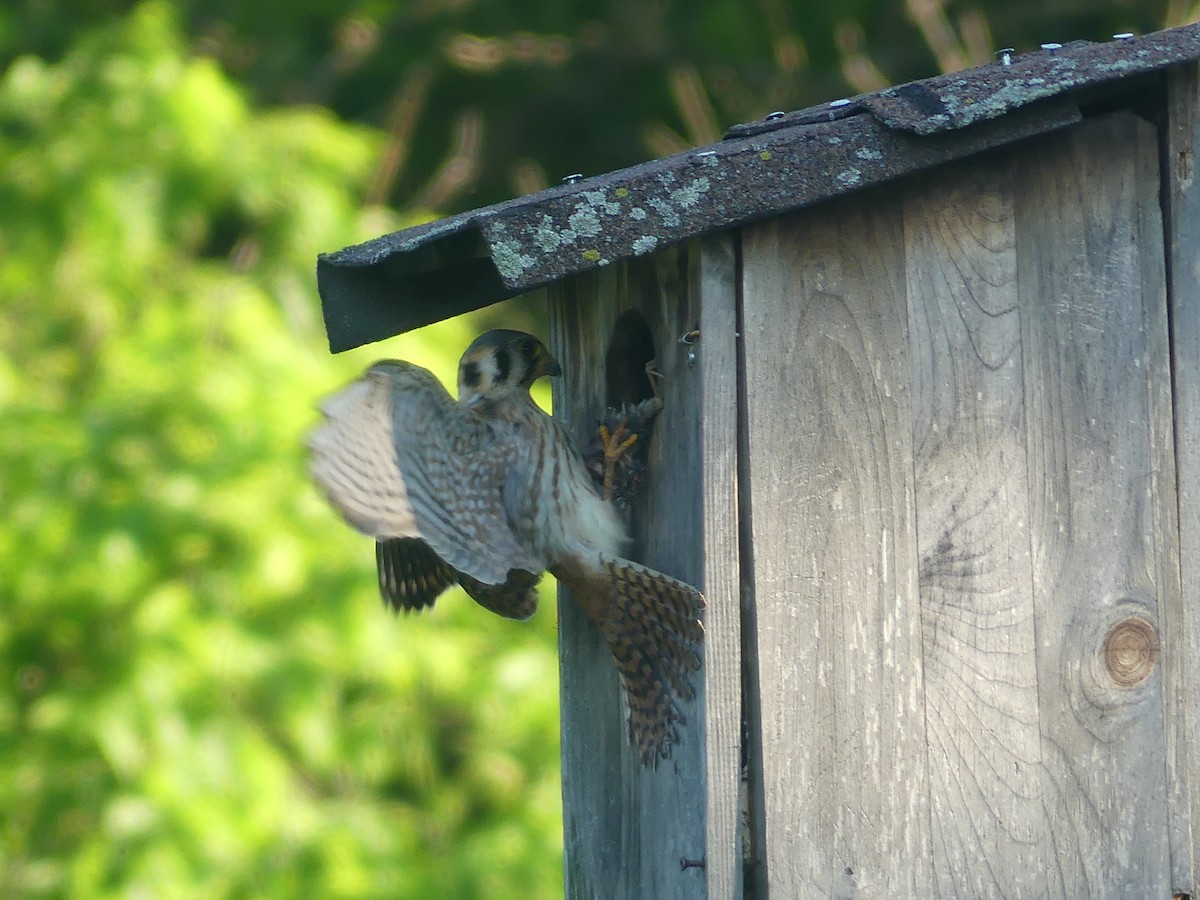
column 1051, row 47
column 778, row 114
column 842, row 102
column 1005, row 55
column 1123, row 36
column 571, row 179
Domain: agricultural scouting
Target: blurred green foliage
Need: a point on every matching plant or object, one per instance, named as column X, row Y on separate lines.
column 202, row 695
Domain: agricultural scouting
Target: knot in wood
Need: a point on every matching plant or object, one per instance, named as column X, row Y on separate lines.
column 1130, row 651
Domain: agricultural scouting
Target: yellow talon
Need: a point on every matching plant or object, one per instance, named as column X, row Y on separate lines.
column 626, row 444
column 616, row 444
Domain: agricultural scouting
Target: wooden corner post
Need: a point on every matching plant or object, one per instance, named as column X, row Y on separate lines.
column 673, row 832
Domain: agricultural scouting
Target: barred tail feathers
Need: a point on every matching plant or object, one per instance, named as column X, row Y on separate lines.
column 652, row 625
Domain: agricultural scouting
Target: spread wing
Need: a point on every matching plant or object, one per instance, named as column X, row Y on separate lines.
column 517, row 598
column 411, row 575
column 400, row 458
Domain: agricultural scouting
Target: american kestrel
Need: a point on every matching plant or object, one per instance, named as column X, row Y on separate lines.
column 488, row 492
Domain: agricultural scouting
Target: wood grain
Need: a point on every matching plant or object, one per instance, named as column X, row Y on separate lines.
column 835, row 557
column 627, row 829
column 713, row 282
column 981, row 693
column 1181, row 612
column 974, row 522
column 1089, row 255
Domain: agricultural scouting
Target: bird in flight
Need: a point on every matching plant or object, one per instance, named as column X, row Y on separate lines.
column 488, row 492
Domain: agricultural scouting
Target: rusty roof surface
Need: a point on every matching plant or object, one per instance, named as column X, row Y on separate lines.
column 420, row 275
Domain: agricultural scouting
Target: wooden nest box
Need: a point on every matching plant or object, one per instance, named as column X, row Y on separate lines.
column 931, row 448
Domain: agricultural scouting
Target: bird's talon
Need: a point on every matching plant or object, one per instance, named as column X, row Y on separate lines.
column 654, row 377
column 621, row 448
column 616, row 444
column 615, row 441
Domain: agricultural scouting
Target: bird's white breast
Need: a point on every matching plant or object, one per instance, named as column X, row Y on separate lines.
column 572, row 520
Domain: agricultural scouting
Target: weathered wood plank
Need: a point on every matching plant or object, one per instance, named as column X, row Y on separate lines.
column 981, row 692
column 1089, row 251
column 628, row 829
column 595, row 770
column 835, row 557
column 1181, row 644
column 713, row 284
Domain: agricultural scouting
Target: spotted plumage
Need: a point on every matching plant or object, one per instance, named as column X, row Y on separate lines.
column 488, row 492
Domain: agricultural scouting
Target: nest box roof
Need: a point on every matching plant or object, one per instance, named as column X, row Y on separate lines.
column 420, row 275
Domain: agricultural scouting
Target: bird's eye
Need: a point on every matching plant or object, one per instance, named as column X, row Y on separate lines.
column 503, row 365
column 470, row 374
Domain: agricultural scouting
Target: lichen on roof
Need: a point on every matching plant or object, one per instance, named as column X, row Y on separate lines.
column 410, row 278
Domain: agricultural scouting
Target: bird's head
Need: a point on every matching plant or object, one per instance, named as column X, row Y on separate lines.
column 502, row 364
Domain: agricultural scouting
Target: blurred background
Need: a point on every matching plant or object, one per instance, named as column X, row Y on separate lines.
column 202, row 694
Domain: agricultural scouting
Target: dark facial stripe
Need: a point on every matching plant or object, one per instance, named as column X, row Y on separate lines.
column 470, row 374
column 503, row 364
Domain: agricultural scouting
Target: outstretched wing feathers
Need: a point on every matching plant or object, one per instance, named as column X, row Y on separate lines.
column 401, row 459
column 411, row 575
column 350, row 461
